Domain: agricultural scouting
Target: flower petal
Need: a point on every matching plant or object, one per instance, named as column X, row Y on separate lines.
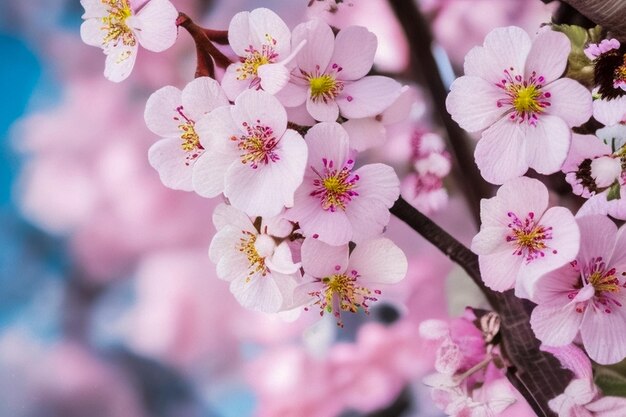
column 227, row 215
column 155, row 25
column 254, row 108
column 597, row 238
column 610, row 112
column 570, row 101
column 91, row 32
column 556, row 325
column 604, row 334
column 548, row 56
column 499, row 270
column 473, row 103
column 365, row 133
column 201, row 96
column 209, row 172
column 321, row 110
column 327, row 141
column 119, row 62
column 266, row 27
column 319, row 47
column 368, row 96
column 259, row 293
column 231, row 85
column 355, row 47
column 379, row 260
column 274, row 77
column 161, row 110
column 321, row 260
column 501, row 152
column 547, row 144
column 169, row 159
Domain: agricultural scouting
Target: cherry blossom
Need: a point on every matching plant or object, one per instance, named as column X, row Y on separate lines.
column 251, row 156
column 173, row 114
column 262, row 40
column 340, row 282
column 512, row 94
column 520, row 239
column 330, row 75
column 119, row 26
column 335, row 202
column 587, row 295
column 261, row 272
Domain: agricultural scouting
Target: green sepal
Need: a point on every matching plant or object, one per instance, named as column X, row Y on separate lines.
column 610, row 382
column 614, row 192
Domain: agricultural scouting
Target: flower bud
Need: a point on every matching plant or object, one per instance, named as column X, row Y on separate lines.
column 605, row 170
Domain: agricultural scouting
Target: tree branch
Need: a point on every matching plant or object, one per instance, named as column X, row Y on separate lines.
column 536, row 374
column 610, row 14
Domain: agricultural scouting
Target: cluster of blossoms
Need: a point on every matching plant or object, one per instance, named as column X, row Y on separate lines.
column 572, row 267
column 431, row 163
column 267, row 138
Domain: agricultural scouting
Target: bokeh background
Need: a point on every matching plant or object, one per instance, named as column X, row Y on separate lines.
column 109, row 305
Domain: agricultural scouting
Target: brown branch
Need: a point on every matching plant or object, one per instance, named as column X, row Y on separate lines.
column 536, row 374
column 610, row 14
column 424, row 68
column 206, row 51
column 218, row 36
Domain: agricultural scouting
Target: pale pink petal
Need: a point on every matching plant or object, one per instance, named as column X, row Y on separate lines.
column 378, row 181
column 548, row 56
column 355, row 47
column 483, row 63
column 265, row 24
column 520, row 196
column 572, row 358
column 401, row 108
column 368, row 96
column 264, row 191
column 201, row 96
column 499, row 270
column 222, row 244
column 168, row 158
column 618, row 259
column 510, row 47
column 93, row 9
column 155, row 25
column 293, row 95
column 553, row 288
column 501, row 152
column 327, row 141
column 281, row 261
column 239, row 36
column 316, row 54
column 274, row 77
column 91, row 32
column 490, row 240
column 379, row 261
column 547, row 144
column 556, row 325
column 215, row 130
column 330, row 227
column 119, row 62
column 161, row 110
column 300, row 115
column 209, row 172
column 604, row 334
column 323, row 111
column 257, row 293
column 608, row 407
column 570, row 101
column 231, row 85
column 598, row 204
column 597, row 238
column 227, row 215
column 368, row 218
column 321, row 260
column 583, row 147
column 365, row 133
column 259, row 108
column 610, row 112
column 473, row 103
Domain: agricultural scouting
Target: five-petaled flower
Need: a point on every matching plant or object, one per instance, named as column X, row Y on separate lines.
column 519, row 240
column 511, row 92
column 119, row 26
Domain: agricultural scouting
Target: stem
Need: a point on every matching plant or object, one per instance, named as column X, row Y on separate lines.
column 217, row 36
column 536, row 374
column 424, row 67
column 206, row 51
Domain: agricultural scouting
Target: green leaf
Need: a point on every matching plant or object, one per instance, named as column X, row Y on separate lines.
column 610, row 382
column 579, row 66
column 614, row 192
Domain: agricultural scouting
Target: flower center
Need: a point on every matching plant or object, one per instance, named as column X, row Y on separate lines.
column 190, row 140
column 524, row 97
column 619, row 78
column 604, row 282
column 255, row 58
column 603, row 279
column 258, row 145
column 256, row 263
column 335, row 187
column 324, row 86
column 340, row 292
column 115, row 23
column 528, row 237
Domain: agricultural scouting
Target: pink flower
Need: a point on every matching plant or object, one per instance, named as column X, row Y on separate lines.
column 594, row 169
column 519, row 240
column 261, row 271
column 588, row 295
column 173, row 114
column 610, row 112
column 336, row 203
column 118, row 26
column 261, row 39
column 340, row 282
column 250, row 156
column 330, row 74
column 594, row 50
column 511, row 92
